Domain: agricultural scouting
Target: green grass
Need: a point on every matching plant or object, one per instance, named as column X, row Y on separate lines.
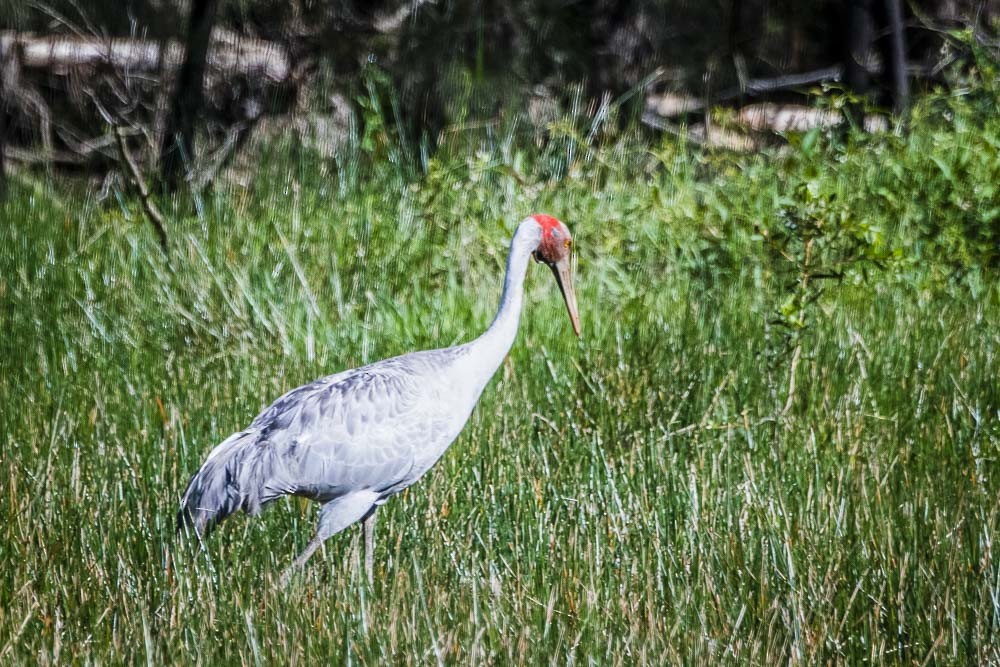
column 655, row 492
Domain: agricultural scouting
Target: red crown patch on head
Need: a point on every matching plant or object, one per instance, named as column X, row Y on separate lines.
column 546, row 222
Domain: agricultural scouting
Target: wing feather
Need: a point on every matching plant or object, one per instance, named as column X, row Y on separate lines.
column 346, row 432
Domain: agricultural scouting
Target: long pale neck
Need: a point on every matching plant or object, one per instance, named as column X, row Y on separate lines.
column 488, row 351
column 500, row 336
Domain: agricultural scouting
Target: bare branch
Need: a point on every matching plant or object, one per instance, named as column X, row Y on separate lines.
column 761, row 86
column 152, row 212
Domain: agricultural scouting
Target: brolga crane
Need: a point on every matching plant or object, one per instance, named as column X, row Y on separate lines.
column 351, row 441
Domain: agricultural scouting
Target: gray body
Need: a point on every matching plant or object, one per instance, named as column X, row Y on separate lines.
column 371, row 431
column 352, row 440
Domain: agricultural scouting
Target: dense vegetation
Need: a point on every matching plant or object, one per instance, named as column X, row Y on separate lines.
column 778, row 438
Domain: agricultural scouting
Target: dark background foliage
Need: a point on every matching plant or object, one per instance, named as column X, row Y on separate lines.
column 452, row 60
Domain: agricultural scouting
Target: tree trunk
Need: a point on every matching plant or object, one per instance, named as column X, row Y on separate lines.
column 735, row 24
column 3, row 135
column 7, row 62
column 177, row 144
column 897, row 58
column 878, row 24
column 857, row 45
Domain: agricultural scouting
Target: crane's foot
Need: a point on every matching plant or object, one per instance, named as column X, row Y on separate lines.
column 300, row 561
column 286, row 576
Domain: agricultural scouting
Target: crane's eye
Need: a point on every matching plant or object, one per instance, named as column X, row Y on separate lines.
column 567, row 243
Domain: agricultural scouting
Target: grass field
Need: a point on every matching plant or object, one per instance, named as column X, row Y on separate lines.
column 743, row 460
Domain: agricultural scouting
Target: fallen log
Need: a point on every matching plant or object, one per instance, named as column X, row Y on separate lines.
column 780, row 118
column 672, row 104
column 756, row 125
column 228, row 55
column 64, row 92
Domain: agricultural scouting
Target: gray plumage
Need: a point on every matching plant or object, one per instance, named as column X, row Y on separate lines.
column 355, row 430
column 352, row 440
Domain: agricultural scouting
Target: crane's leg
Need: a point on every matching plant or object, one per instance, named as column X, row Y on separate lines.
column 369, row 526
column 334, row 517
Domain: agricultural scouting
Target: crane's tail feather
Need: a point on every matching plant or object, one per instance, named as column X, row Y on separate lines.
column 239, row 474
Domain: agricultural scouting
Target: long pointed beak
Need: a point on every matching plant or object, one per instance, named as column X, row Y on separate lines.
column 564, row 277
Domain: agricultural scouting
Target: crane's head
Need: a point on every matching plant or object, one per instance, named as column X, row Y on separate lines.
column 554, row 249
